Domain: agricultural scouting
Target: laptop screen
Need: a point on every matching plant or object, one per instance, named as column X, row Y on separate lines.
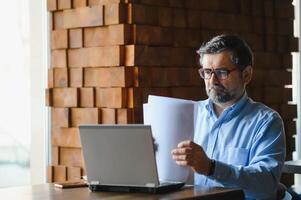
column 119, row 154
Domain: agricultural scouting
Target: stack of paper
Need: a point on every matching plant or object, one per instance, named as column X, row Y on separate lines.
column 172, row 121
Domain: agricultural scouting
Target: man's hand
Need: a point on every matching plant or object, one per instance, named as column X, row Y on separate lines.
column 190, row 154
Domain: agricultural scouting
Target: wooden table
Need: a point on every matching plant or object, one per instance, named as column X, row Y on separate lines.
column 292, row 166
column 49, row 192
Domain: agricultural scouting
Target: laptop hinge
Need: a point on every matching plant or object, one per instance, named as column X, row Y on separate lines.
column 94, row 182
column 150, row 184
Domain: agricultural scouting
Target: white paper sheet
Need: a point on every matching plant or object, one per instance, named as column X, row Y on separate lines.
column 172, row 121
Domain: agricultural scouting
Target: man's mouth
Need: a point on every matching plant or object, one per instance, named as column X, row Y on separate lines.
column 217, row 87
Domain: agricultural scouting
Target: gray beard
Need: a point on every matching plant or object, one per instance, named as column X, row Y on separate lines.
column 218, row 94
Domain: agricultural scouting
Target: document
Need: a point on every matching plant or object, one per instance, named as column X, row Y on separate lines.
column 172, row 121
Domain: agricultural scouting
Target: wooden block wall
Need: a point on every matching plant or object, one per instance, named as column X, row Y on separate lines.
column 107, row 56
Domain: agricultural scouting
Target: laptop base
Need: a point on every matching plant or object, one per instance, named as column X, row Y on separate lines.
column 154, row 190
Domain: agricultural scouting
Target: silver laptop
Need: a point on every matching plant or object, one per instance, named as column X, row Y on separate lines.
column 121, row 158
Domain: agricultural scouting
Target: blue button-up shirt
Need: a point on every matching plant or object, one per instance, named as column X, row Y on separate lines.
column 248, row 143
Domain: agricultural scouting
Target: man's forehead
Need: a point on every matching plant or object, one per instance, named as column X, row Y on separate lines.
column 218, row 59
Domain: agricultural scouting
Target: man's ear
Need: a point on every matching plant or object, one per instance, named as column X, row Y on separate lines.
column 247, row 74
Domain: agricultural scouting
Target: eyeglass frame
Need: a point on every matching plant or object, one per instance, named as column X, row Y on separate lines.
column 213, row 71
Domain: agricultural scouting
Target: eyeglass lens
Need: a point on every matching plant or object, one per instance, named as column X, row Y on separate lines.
column 219, row 73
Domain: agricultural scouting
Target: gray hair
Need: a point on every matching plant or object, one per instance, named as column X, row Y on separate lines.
column 242, row 55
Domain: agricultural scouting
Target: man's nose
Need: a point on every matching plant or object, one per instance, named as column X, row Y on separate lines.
column 213, row 78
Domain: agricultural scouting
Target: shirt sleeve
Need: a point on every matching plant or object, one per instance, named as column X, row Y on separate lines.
column 260, row 178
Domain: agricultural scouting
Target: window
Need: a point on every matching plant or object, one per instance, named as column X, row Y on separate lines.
column 296, row 87
column 22, row 75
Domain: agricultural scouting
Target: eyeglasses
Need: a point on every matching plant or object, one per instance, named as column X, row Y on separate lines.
column 220, row 74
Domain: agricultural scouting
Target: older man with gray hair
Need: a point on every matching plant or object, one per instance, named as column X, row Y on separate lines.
column 237, row 142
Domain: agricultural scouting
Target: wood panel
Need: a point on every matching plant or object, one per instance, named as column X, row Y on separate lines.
column 107, row 56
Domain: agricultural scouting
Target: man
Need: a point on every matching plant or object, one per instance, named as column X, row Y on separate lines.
column 237, row 142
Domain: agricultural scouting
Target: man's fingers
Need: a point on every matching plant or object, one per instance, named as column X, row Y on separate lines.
column 185, row 143
column 182, row 163
column 180, row 157
column 189, row 144
column 180, row 151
